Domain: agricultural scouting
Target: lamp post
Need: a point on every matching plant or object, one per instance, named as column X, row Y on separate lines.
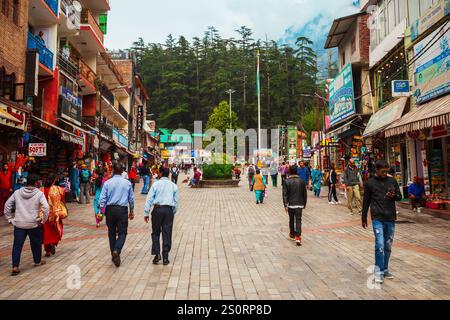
column 230, row 92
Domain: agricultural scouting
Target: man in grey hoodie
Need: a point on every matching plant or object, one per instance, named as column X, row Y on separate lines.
column 27, row 221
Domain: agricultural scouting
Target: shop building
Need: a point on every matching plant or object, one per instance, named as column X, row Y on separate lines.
column 14, row 113
column 349, row 108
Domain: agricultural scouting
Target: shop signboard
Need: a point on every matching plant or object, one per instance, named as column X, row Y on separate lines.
column 140, row 118
column 72, row 139
column 12, row 117
column 37, row 150
column 292, row 141
column 432, row 70
column 400, row 88
column 431, row 16
column 342, row 98
column 165, row 154
column 71, row 106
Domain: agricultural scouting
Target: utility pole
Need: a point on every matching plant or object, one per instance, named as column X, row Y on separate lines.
column 258, row 86
column 230, row 92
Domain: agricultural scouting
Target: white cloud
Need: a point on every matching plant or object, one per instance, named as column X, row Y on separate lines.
column 154, row 20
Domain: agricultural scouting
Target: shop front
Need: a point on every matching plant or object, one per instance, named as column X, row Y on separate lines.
column 421, row 140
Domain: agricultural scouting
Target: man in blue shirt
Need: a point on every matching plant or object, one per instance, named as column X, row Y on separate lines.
column 416, row 193
column 163, row 197
column 117, row 195
column 303, row 172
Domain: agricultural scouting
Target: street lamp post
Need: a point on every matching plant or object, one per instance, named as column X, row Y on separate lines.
column 230, row 92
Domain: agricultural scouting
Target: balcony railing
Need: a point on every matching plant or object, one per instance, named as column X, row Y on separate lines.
column 86, row 72
column 67, row 65
column 88, row 18
column 45, row 55
column 53, row 4
column 108, row 95
column 107, row 130
column 123, row 112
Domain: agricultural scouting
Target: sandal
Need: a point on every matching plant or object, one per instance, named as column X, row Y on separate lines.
column 15, row 272
column 43, row 262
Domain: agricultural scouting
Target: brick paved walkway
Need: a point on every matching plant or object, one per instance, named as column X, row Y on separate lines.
column 227, row 247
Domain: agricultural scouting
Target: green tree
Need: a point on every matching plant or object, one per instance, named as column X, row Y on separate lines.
column 220, row 118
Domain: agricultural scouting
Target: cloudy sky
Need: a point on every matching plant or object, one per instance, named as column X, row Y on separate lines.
column 153, row 20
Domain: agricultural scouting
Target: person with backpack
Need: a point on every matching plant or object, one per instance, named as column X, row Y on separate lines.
column 85, row 184
column 175, row 172
column 251, row 174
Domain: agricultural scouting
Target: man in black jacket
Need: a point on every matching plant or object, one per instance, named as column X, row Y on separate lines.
column 380, row 194
column 294, row 199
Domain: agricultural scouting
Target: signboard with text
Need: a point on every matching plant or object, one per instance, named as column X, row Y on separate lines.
column 432, row 70
column 342, row 98
column 37, row 150
column 70, row 106
column 400, row 88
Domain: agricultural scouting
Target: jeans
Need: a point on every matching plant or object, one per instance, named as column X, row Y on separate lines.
column 20, row 236
column 332, row 193
column 274, row 179
column 295, row 221
column 117, row 222
column 146, row 187
column 384, row 237
column 85, row 197
column 162, row 221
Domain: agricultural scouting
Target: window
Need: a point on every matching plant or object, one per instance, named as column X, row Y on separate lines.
column 5, row 7
column 15, row 11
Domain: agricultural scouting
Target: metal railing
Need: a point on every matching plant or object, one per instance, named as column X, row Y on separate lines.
column 53, row 4
column 45, row 55
column 86, row 72
column 107, row 94
column 67, row 65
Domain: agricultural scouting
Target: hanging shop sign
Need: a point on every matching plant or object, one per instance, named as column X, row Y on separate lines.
column 400, row 88
column 70, row 106
column 432, row 70
column 165, row 154
column 292, row 142
column 342, row 96
column 431, row 16
column 37, row 150
column 140, row 118
column 11, row 117
column 72, row 139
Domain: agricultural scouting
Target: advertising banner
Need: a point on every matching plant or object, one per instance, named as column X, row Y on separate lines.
column 37, row 150
column 71, row 106
column 400, row 88
column 432, row 70
column 342, row 98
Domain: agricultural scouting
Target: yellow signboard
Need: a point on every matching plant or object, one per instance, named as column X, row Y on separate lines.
column 165, row 154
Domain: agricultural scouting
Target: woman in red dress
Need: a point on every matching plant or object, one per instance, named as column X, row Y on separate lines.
column 53, row 228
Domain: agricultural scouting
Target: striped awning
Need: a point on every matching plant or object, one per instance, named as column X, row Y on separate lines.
column 428, row 115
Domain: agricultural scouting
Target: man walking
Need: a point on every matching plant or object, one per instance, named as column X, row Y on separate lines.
column 380, row 194
column 163, row 197
column 117, row 195
column 303, row 172
column 352, row 181
column 295, row 197
column 145, row 173
column 175, row 172
column 27, row 221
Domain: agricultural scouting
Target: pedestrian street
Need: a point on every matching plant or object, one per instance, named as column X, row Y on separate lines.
column 227, row 247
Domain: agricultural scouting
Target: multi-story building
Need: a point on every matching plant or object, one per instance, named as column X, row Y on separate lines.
column 350, row 109
column 14, row 114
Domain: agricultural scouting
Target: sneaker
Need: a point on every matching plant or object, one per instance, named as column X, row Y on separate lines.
column 351, row 213
column 388, row 275
column 331, row 203
column 379, row 279
column 298, row 240
column 292, row 237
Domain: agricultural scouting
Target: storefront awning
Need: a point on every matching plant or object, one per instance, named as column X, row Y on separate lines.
column 74, row 136
column 386, row 116
column 431, row 114
column 76, row 127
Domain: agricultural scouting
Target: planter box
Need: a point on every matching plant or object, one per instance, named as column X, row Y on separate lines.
column 219, row 183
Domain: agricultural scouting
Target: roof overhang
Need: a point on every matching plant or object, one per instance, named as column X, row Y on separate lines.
column 339, row 30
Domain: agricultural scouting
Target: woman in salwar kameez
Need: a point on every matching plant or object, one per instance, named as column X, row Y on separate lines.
column 259, row 186
column 53, row 228
column 317, row 177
